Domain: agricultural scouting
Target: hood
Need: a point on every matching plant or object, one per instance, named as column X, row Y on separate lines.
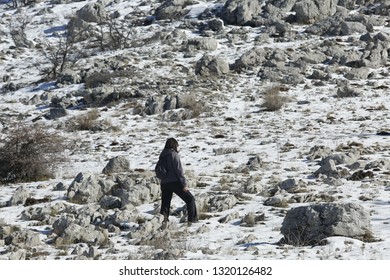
column 166, row 152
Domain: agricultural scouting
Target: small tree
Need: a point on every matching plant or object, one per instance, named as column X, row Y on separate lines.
column 29, row 153
column 64, row 52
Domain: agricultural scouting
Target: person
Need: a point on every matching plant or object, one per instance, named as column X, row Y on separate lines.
column 175, row 182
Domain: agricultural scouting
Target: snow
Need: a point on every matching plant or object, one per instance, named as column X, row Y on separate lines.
column 253, row 132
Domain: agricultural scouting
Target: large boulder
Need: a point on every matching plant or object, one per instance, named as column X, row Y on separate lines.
column 328, row 168
column 19, row 197
column 85, row 188
column 240, row 12
column 308, row 225
column 119, row 164
column 23, row 239
column 92, row 12
column 309, row 11
column 252, row 58
column 172, row 9
column 212, row 66
column 90, row 234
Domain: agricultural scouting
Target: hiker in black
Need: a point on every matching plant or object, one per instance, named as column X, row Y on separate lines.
column 175, row 182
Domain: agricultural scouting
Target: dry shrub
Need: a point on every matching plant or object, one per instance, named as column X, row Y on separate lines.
column 87, row 121
column 189, row 102
column 273, row 99
column 29, row 153
column 97, row 79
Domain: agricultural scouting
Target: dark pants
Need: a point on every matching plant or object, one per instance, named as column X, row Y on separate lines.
column 167, row 191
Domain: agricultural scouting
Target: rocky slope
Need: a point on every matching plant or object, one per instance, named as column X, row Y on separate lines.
column 277, row 105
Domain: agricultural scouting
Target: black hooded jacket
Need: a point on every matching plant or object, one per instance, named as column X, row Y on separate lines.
column 175, row 169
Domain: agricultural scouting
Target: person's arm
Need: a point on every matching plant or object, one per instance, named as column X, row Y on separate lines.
column 179, row 171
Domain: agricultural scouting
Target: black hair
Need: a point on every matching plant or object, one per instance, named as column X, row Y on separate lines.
column 171, row 143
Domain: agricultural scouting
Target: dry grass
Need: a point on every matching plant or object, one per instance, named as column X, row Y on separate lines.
column 87, row 121
column 273, row 99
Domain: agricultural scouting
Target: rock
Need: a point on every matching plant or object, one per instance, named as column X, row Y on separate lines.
column 154, row 105
column 319, row 152
column 276, row 201
column 252, row 58
column 375, row 54
column 23, row 239
column 216, row 25
column 240, row 12
column 328, row 169
column 19, row 197
column 351, row 27
column 229, row 218
column 205, row 44
column 347, row 91
column 172, row 9
column 85, row 188
column 110, row 202
column 119, row 164
column 213, row 202
column 69, row 77
column 90, row 234
column 55, row 113
column 309, row 11
column 292, row 185
column 60, row 187
column 62, row 223
column 351, row 4
column 361, row 175
column 92, row 12
column 136, row 191
column 342, row 158
column 148, row 228
column 254, row 163
column 170, row 103
column 209, row 66
column 358, row 73
column 378, row 165
column 308, row 225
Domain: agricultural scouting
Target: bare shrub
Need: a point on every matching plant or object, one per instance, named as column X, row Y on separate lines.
column 64, row 53
column 87, row 121
column 97, row 79
column 189, row 102
column 119, row 34
column 29, row 154
column 273, row 99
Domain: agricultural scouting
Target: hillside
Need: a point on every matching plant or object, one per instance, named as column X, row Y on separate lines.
column 276, row 104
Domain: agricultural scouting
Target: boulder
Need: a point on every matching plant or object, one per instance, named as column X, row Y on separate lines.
column 252, row 58
column 154, row 105
column 328, row 168
column 358, row 73
column 240, row 12
column 211, row 66
column 92, row 12
column 206, row 44
column 309, row 11
column 23, row 239
column 319, row 152
column 119, row 164
column 19, row 197
column 308, row 225
column 348, row 91
column 172, row 9
column 90, row 234
column 85, row 188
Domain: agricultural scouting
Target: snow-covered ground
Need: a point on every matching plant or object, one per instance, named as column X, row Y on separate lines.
column 282, row 139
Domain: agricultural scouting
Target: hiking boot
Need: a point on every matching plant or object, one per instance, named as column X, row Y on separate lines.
column 164, row 225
